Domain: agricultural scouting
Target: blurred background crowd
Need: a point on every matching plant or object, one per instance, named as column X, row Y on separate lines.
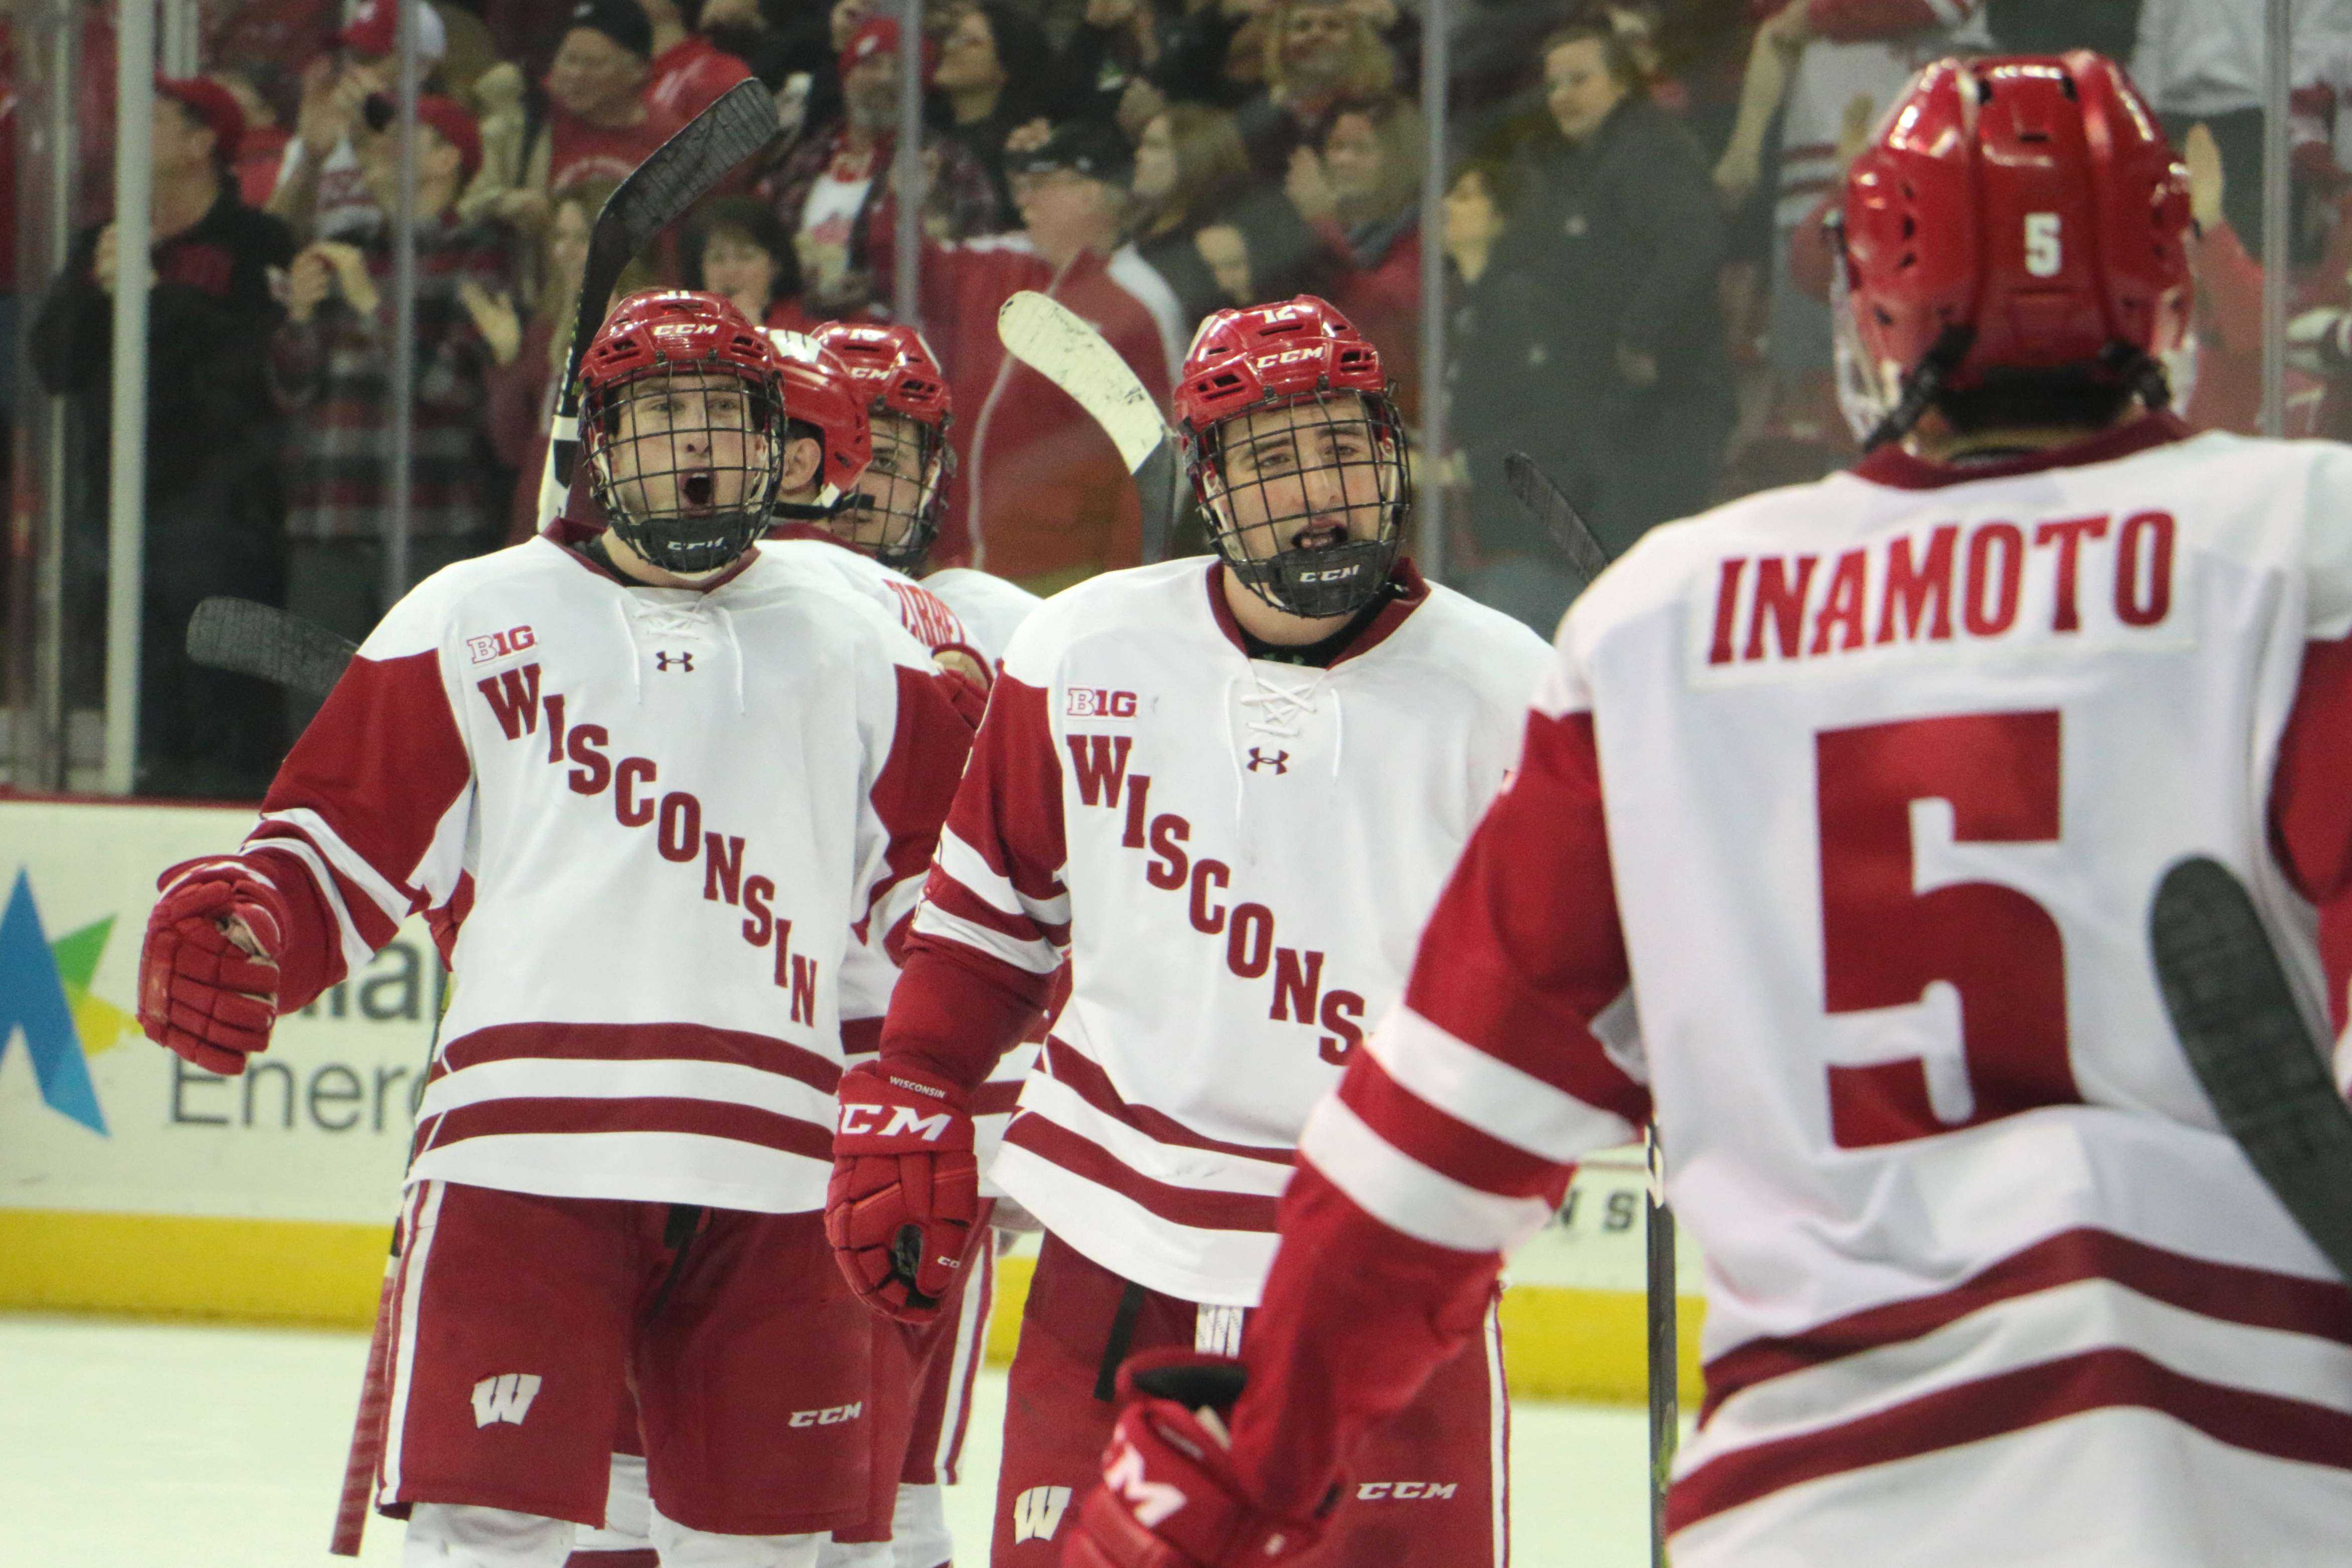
column 1635, row 268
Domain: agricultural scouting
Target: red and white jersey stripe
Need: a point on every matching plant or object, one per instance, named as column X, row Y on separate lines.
column 1232, row 856
column 647, row 825
column 1857, row 794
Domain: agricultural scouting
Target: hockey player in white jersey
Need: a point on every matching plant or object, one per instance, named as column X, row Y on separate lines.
column 1226, row 791
column 908, row 481
column 647, row 787
column 1857, row 794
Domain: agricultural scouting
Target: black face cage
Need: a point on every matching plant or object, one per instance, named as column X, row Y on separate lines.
column 1299, row 551
column 900, row 536
column 686, row 461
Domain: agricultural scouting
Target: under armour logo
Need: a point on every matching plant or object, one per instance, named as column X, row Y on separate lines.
column 685, row 662
column 506, row 1397
column 1279, row 761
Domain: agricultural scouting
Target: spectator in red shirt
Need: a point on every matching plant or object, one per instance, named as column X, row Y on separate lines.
column 688, row 70
column 835, row 189
column 598, row 125
column 1040, row 494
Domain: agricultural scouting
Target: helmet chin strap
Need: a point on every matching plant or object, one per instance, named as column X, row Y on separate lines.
column 1920, row 387
column 830, row 503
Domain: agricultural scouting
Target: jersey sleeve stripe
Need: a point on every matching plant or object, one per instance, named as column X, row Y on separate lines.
column 1193, row 1206
column 1084, row 1077
column 1035, row 956
column 1446, row 1143
column 355, row 942
column 638, row 1042
column 2254, row 1298
column 1408, row 1196
column 1493, row 1096
column 396, row 901
column 958, row 900
column 2025, row 1396
column 986, row 883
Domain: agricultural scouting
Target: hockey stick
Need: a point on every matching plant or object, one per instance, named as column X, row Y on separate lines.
column 250, row 639
column 1549, row 505
column 1044, row 335
column 2248, row 1043
column 657, row 194
column 1551, row 508
column 367, row 1427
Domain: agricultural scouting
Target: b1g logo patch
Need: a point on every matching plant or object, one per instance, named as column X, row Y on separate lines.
column 1094, row 702
column 499, row 644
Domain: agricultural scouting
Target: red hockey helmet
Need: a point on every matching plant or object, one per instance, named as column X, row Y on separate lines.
column 899, row 375
column 819, row 392
column 1312, row 546
column 2014, row 213
column 684, row 466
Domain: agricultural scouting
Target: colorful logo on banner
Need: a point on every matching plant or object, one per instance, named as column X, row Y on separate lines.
column 45, row 997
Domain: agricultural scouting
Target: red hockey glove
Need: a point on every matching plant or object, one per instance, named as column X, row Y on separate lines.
column 905, row 1193
column 205, row 992
column 1171, row 1497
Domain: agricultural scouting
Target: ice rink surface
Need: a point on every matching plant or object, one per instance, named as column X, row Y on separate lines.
column 136, row 1445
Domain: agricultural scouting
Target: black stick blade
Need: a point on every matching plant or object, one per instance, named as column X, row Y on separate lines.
column 2247, row 1042
column 1159, row 486
column 1549, row 505
column 250, row 639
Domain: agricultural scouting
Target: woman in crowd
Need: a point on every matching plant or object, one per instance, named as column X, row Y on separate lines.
column 736, row 247
column 1188, row 168
column 1360, row 190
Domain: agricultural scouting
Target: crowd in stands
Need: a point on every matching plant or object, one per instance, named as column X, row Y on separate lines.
column 1634, row 233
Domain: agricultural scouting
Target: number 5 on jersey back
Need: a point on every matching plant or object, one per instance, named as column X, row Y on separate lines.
column 1884, row 943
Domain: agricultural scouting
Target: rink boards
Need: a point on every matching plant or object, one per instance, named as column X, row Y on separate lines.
column 133, row 1182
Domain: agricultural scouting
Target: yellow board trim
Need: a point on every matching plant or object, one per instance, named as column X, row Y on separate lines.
column 1558, row 1343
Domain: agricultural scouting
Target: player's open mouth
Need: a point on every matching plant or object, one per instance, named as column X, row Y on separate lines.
column 696, row 490
column 1320, row 536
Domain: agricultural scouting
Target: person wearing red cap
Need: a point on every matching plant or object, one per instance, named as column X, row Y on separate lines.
column 836, row 184
column 321, row 190
column 598, row 126
column 213, row 506
column 332, row 363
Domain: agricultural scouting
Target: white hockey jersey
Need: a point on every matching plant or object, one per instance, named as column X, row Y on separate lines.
column 927, row 618
column 1864, row 788
column 647, row 823
column 1234, row 856
column 991, row 609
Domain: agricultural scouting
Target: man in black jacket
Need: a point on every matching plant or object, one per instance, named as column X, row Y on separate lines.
column 215, row 513
column 1619, row 234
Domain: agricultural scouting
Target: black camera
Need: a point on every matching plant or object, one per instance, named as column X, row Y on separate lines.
column 380, row 109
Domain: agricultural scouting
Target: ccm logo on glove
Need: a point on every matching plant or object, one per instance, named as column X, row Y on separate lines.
column 903, row 1121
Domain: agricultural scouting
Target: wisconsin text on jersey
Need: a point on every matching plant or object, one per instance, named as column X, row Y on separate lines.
column 676, row 815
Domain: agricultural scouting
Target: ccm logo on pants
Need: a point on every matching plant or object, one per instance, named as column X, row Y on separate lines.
column 1405, row 1491
column 832, row 1416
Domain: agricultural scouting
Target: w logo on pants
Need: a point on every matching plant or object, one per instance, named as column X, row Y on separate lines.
column 1038, row 1513
column 506, row 1397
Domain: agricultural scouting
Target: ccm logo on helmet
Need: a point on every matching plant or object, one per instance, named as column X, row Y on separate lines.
column 1405, row 1491
column 859, row 1122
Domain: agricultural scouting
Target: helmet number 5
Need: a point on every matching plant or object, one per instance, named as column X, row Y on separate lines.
column 2043, row 257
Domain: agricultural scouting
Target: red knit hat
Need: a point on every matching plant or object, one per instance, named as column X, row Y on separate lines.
column 211, row 103
column 879, row 36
